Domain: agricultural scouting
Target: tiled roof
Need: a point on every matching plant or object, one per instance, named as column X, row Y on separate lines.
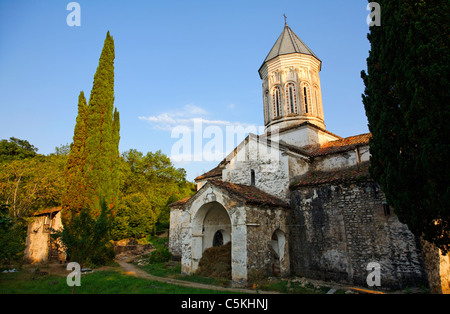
column 250, row 194
column 349, row 174
column 216, row 172
column 180, row 202
column 48, row 211
column 338, row 146
column 316, row 150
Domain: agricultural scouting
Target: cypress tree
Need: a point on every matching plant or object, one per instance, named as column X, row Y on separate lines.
column 101, row 143
column 74, row 195
column 406, row 101
column 115, row 155
column 92, row 167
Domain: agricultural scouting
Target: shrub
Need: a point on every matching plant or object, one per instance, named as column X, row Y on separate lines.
column 160, row 255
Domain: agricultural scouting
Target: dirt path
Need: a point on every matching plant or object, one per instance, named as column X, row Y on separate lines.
column 132, row 270
column 135, row 271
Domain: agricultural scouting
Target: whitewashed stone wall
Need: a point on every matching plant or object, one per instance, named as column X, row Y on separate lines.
column 270, row 165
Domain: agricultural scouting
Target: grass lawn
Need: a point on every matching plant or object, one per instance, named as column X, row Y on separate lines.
column 110, row 280
column 97, row 282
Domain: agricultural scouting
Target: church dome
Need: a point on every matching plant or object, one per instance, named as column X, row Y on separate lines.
column 288, row 42
column 291, row 84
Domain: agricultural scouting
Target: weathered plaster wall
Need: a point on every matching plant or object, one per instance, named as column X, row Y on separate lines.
column 297, row 167
column 175, row 239
column 271, row 169
column 37, row 242
column 336, row 230
column 306, row 135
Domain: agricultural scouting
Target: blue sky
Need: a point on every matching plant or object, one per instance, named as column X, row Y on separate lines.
column 175, row 61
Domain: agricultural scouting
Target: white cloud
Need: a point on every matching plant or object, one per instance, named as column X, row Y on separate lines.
column 187, row 117
column 194, row 110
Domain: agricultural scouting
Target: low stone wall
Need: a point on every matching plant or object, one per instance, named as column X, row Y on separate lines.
column 129, row 248
column 337, row 230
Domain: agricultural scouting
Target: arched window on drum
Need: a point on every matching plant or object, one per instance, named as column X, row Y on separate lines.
column 291, row 98
column 276, row 101
column 306, row 93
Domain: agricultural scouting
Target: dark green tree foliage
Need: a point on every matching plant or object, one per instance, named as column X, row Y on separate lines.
column 11, row 238
column 89, row 240
column 407, row 106
column 102, row 133
column 74, row 197
column 92, row 169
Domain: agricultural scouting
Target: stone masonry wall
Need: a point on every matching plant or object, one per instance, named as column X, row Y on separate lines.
column 337, row 230
column 262, row 223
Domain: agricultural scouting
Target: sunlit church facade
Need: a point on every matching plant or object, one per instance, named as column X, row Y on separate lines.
column 298, row 200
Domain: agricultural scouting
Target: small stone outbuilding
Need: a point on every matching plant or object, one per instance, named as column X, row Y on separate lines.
column 40, row 246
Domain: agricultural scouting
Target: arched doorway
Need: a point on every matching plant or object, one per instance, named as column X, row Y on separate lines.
column 278, row 242
column 218, row 238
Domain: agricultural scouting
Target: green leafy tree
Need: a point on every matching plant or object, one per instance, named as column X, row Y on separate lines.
column 16, row 149
column 406, row 101
column 12, row 236
column 62, row 150
column 148, row 184
column 31, row 184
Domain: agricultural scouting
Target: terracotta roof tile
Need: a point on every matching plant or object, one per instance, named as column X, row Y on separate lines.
column 180, row 202
column 250, row 194
column 316, row 150
column 216, row 172
column 349, row 174
column 338, row 146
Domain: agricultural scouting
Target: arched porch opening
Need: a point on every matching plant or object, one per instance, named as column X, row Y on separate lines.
column 211, row 227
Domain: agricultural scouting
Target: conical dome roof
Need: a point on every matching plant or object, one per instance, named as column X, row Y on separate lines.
column 288, row 43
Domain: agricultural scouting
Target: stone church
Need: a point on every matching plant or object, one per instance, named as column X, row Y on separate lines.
column 298, row 200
